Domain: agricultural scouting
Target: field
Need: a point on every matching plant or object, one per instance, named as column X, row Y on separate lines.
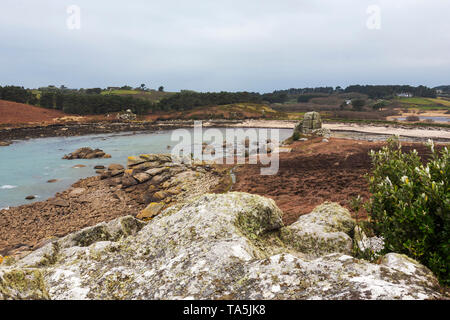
column 120, row 92
column 13, row 112
column 422, row 103
column 152, row 95
column 236, row 111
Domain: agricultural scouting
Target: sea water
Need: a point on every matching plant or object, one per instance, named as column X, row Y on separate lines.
column 26, row 166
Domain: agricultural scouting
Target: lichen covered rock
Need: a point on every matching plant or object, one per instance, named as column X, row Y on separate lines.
column 22, row 284
column 311, row 121
column 211, row 247
column 325, row 230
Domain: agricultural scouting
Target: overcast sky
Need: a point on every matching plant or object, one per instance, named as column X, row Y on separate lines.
column 235, row 45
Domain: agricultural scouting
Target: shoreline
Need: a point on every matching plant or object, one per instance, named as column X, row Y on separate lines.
column 336, row 169
column 31, row 131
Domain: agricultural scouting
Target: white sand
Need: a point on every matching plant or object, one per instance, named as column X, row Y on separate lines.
column 432, row 133
column 413, row 132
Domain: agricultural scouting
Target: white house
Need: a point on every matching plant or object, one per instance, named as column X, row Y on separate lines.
column 404, row 95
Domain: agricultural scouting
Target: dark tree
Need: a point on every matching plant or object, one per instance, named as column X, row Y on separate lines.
column 358, row 104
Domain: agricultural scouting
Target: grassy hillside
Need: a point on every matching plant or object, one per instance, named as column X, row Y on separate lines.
column 152, row 95
column 422, row 103
column 230, row 111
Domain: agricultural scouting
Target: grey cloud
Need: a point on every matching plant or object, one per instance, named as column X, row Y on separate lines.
column 256, row 45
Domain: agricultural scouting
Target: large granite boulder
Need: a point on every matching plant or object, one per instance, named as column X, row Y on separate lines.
column 311, row 121
column 216, row 246
column 325, row 230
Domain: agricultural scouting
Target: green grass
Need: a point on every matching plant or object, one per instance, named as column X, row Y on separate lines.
column 441, row 101
column 423, row 103
column 121, row 92
column 416, row 100
column 152, row 95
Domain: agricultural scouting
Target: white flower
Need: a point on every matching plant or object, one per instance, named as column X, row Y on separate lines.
column 388, row 181
column 431, row 144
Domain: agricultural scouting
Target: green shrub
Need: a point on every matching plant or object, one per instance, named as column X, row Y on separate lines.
column 410, row 205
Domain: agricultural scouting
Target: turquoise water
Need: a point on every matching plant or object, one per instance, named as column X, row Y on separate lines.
column 26, row 166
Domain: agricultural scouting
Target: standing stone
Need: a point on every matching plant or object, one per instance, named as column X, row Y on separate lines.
column 311, row 121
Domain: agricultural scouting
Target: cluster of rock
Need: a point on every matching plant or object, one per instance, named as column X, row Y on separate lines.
column 245, row 149
column 86, row 153
column 215, row 246
column 127, row 115
column 167, row 180
column 312, row 125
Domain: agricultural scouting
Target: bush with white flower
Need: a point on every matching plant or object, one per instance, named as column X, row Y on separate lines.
column 410, row 204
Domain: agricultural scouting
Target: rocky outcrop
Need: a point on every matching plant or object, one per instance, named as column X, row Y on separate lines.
column 127, row 115
column 311, row 125
column 311, row 121
column 86, row 153
column 325, row 230
column 167, row 180
column 105, row 197
column 223, row 246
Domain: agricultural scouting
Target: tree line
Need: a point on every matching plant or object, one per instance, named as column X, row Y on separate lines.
column 372, row 91
column 186, row 100
column 18, row 94
column 91, row 101
column 74, row 102
column 88, row 103
column 380, row 92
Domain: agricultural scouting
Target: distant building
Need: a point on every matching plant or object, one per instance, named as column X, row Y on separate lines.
column 348, row 102
column 404, row 95
column 113, row 88
column 439, row 91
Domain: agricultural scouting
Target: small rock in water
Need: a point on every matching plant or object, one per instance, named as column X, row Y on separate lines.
column 79, row 166
column 99, row 167
column 52, row 180
column 30, row 197
column 86, row 153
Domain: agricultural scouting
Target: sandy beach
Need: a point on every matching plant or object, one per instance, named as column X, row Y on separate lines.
column 432, row 133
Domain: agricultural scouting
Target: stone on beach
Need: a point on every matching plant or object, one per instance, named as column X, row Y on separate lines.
column 76, row 192
column 152, row 210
